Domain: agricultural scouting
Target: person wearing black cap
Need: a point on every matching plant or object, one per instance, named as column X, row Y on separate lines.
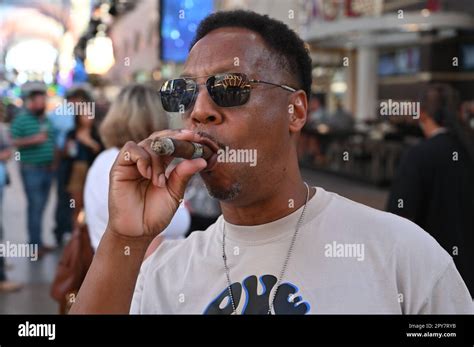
column 33, row 135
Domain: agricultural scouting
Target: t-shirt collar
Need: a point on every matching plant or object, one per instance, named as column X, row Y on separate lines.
column 276, row 229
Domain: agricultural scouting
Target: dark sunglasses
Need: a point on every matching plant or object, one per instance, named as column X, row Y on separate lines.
column 226, row 90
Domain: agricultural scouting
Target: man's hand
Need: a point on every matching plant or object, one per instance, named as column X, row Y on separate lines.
column 40, row 137
column 141, row 205
column 142, row 200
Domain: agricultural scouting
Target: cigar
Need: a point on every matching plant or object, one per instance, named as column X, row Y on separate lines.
column 180, row 149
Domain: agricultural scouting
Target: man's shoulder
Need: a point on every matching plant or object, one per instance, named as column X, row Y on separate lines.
column 409, row 256
column 24, row 119
column 402, row 236
column 24, row 114
column 21, row 117
column 429, row 149
column 362, row 214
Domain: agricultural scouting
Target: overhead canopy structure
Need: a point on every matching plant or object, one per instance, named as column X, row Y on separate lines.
column 388, row 29
column 43, row 26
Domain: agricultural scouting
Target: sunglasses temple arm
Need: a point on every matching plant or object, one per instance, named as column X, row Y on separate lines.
column 276, row 85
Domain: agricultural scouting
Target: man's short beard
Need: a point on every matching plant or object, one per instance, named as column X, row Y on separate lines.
column 224, row 194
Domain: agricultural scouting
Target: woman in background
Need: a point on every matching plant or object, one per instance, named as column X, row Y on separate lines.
column 82, row 147
column 133, row 116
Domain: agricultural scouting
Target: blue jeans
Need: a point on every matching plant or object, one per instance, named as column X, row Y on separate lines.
column 37, row 183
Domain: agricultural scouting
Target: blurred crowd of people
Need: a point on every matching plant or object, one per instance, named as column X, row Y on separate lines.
column 75, row 149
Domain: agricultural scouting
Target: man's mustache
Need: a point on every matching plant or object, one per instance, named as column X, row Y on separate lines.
column 212, row 138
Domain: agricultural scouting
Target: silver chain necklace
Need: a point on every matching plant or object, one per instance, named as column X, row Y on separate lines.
column 285, row 264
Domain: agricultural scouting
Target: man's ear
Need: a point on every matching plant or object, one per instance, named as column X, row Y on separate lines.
column 297, row 110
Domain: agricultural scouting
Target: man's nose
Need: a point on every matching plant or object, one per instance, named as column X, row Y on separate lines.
column 205, row 110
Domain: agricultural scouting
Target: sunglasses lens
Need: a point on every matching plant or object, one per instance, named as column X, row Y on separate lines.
column 228, row 90
column 177, row 95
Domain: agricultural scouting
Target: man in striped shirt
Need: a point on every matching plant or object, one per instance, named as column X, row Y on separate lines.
column 33, row 135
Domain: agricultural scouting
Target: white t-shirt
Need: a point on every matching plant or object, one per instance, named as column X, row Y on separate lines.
column 348, row 258
column 96, row 193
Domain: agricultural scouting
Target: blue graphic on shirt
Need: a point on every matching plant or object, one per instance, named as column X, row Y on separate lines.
column 286, row 300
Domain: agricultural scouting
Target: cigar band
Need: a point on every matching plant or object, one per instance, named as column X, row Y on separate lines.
column 198, row 150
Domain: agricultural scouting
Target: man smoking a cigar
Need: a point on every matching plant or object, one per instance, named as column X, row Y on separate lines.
column 280, row 246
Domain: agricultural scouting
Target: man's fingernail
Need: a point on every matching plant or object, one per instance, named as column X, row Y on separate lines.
column 203, row 163
column 162, row 180
column 148, row 172
column 187, row 131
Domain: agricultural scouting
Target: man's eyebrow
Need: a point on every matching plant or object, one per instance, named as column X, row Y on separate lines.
column 185, row 76
column 219, row 71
